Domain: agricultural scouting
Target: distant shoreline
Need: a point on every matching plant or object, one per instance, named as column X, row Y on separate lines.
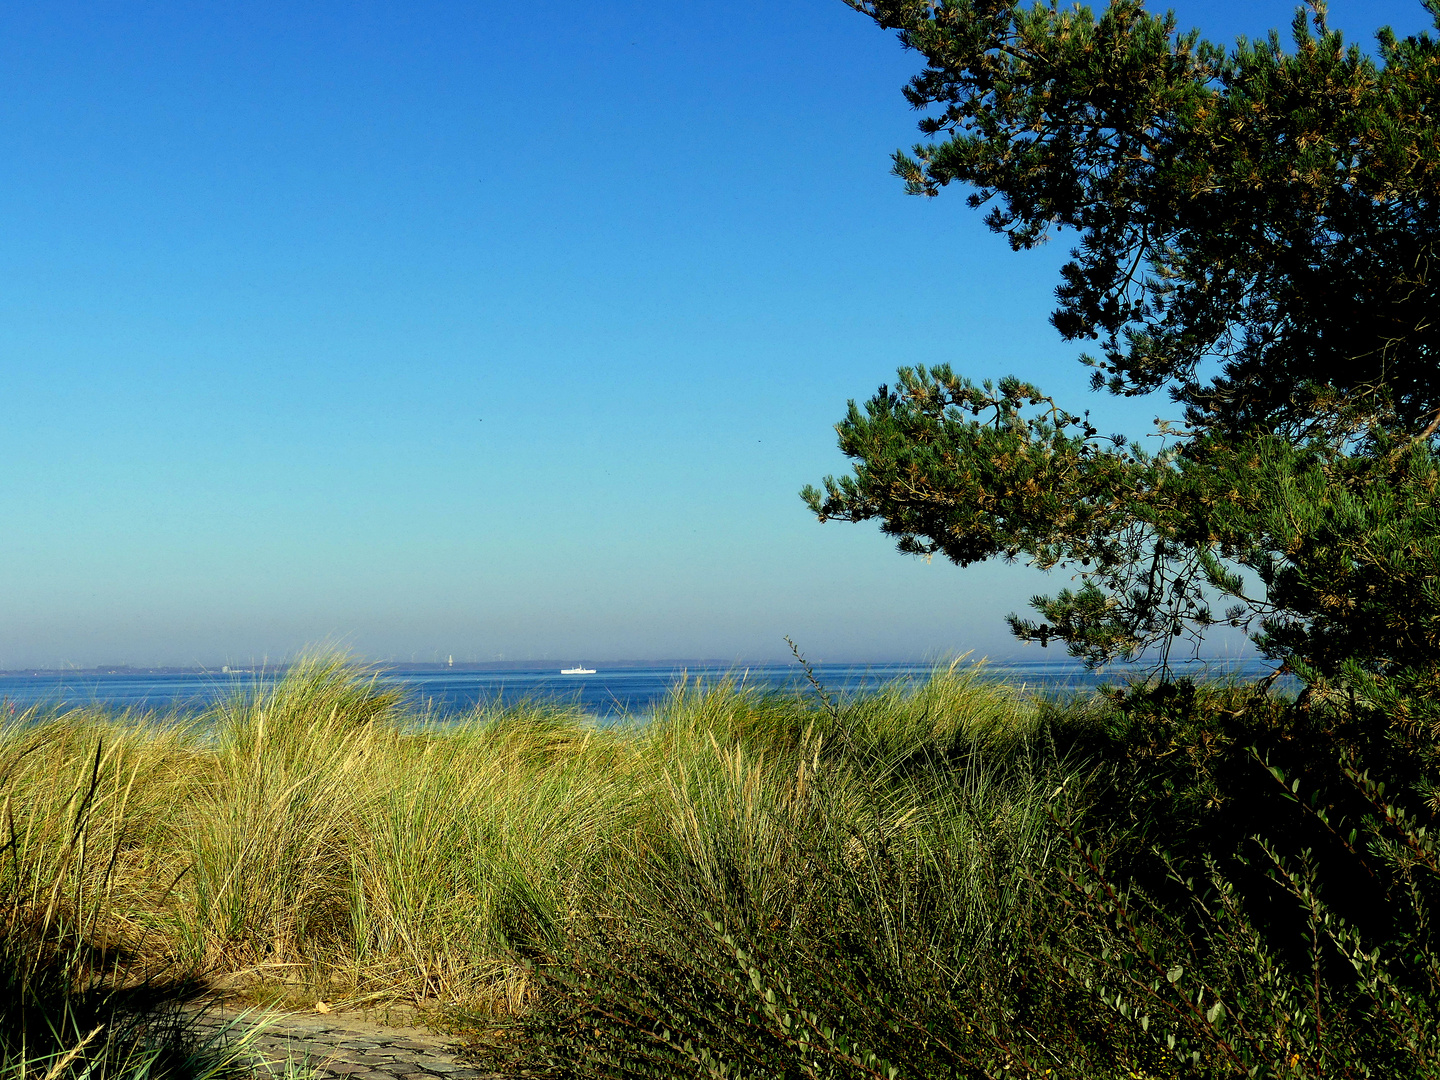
column 545, row 664
column 392, row 665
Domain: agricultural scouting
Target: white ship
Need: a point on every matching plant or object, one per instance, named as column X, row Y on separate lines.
column 577, row 671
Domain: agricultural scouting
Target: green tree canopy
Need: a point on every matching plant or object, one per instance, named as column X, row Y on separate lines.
column 1258, row 233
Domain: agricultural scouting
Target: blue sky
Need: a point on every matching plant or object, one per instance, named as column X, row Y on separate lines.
column 479, row 329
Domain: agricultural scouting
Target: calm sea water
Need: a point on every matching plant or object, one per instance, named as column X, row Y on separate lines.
column 607, row 693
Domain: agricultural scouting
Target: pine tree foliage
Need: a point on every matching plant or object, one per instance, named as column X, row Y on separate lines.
column 1259, row 235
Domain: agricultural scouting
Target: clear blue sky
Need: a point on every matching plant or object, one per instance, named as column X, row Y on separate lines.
column 480, row 329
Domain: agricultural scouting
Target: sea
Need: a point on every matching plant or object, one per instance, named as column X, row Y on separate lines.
column 610, row 693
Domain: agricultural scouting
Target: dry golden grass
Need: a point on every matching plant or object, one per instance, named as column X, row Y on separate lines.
column 320, row 840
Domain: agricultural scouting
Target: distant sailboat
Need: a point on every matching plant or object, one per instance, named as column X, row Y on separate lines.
column 577, row 671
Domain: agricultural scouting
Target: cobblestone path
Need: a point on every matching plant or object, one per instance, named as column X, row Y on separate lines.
column 344, row 1048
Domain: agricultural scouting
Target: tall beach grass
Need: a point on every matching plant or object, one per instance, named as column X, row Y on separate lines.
column 84, row 991
column 904, row 882
column 318, row 840
column 945, row 878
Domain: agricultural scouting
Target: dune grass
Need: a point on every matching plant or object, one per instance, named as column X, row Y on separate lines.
column 318, row 838
column 746, row 883
column 935, row 879
column 81, row 993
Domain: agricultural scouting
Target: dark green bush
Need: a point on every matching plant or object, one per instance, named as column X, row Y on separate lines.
column 1217, row 888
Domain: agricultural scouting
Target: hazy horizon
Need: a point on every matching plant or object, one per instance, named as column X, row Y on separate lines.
column 1056, row 658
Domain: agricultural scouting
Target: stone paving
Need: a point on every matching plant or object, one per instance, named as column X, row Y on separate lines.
column 342, row 1048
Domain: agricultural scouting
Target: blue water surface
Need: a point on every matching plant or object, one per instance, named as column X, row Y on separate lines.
column 608, row 693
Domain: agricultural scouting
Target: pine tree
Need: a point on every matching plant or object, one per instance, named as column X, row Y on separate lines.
column 1259, row 235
